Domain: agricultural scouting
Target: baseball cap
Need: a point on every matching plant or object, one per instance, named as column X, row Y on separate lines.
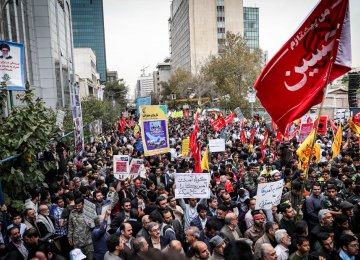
column 77, row 254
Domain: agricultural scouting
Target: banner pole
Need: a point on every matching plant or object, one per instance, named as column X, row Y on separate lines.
column 301, row 196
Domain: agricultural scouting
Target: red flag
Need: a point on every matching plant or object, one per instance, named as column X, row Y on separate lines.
column 229, row 118
column 273, row 125
column 287, row 129
column 122, row 125
column 279, row 136
column 333, row 126
column 197, row 157
column 193, row 141
column 242, row 136
column 294, row 79
column 218, row 124
column 264, row 143
column 252, row 136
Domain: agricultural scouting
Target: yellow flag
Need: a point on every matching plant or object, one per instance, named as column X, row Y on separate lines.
column 205, row 160
column 354, row 127
column 304, row 150
column 337, row 142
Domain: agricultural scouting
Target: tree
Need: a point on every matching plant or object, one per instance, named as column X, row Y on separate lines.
column 116, row 91
column 233, row 71
column 26, row 131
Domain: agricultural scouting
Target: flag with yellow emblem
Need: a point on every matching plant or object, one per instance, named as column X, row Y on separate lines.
column 304, row 149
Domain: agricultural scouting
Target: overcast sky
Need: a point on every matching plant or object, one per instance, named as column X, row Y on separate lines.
column 136, row 31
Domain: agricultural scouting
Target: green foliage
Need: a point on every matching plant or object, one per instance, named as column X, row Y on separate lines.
column 116, row 91
column 234, row 71
column 25, row 131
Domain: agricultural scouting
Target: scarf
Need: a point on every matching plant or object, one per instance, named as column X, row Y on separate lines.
column 47, row 222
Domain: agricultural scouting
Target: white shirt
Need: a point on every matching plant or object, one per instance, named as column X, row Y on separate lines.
column 282, row 252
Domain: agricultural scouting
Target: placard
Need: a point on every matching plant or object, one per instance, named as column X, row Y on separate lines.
column 121, row 166
column 135, row 167
column 217, row 145
column 12, row 65
column 89, row 211
column 269, row 194
column 192, row 185
column 185, row 147
column 154, row 130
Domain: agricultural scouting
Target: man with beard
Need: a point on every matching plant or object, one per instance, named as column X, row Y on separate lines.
column 29, row 218
column 123, row 215
column 219, row 245
column 16, row 248
column 99, row 201
column 171, row 225
column 284, row 241
column 44, row 223
column 79, row 233
column 257, row 229
column 326, row 248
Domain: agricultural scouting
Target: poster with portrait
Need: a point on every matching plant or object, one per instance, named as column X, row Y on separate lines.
column 121, row 166
column 135, row 167
column 12, row 65
column 154, row 130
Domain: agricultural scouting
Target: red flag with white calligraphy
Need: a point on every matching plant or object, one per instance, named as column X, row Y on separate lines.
column 295, row 78
column 218, row 124
column 229, row 118
column 264, row 143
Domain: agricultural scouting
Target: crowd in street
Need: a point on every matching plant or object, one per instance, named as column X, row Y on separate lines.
column 318, row 217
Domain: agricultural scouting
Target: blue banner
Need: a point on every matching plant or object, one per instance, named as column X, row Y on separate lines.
column 142, row 101
column 12, row 65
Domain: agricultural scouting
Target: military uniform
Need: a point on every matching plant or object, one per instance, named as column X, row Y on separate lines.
column 80, row 233
column 249, row 182
column 332, row 204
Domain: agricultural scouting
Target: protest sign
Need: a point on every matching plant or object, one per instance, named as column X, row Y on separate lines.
column 104, row 208
column 239, row 114
column 192, row 185
column 322, row 127
column 269, row 194
column 177, row 114
column 135, row 167
column 217, row 145
column 121, row 166
column 305, row 130
column 142, row 101
column 185, row 147
column 89, row 211
column 154, row 130
column 12, row 65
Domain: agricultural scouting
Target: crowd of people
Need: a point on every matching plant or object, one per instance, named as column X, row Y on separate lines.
column 318, row 217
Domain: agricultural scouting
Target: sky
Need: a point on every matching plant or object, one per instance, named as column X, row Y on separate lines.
column 136, row 31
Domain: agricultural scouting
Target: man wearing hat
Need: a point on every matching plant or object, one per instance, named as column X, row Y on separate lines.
column 257, row 229
column 348, row 210
column 218, row 244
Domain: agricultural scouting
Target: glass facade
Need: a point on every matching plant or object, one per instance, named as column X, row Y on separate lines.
column 88, row 30
column 251, row 27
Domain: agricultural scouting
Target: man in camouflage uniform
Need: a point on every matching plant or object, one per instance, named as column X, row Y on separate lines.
column 331, row 200
column 249, row 181
column 79, row 233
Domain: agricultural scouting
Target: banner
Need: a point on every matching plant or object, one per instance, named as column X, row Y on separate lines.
column 89, row 211
column 60, row 119
column 95, row 128
column 269, row 194
column 185, row 147
column 135, row 167
column 142, row 101
column 216, row 145
column 12, row 65
column 154, row 130
column 77, row 118
column 239, row 114
column 192, row 185
column 177, row 114
column 322, row 128
column 218, row 124
column 230, row 118
column 297, row 74
column 121, row 166
column 306, row 126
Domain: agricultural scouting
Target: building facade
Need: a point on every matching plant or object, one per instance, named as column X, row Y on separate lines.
column 44, row 27
column 111, row 76
column 85, row 68
column 144, row 86
column 197, row 29
column 161, row 75
column 88, row 30
column 251, row 27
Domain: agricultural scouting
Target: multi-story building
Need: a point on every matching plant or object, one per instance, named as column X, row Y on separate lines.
column 111, row 76
column 197, row 29
column 44, row 27
column 85, row 68
column 144, row 86
column 161, row 75
column 88, row 30
column 251, row 27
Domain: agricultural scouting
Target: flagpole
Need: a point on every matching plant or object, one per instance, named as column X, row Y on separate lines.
column 301, row 196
